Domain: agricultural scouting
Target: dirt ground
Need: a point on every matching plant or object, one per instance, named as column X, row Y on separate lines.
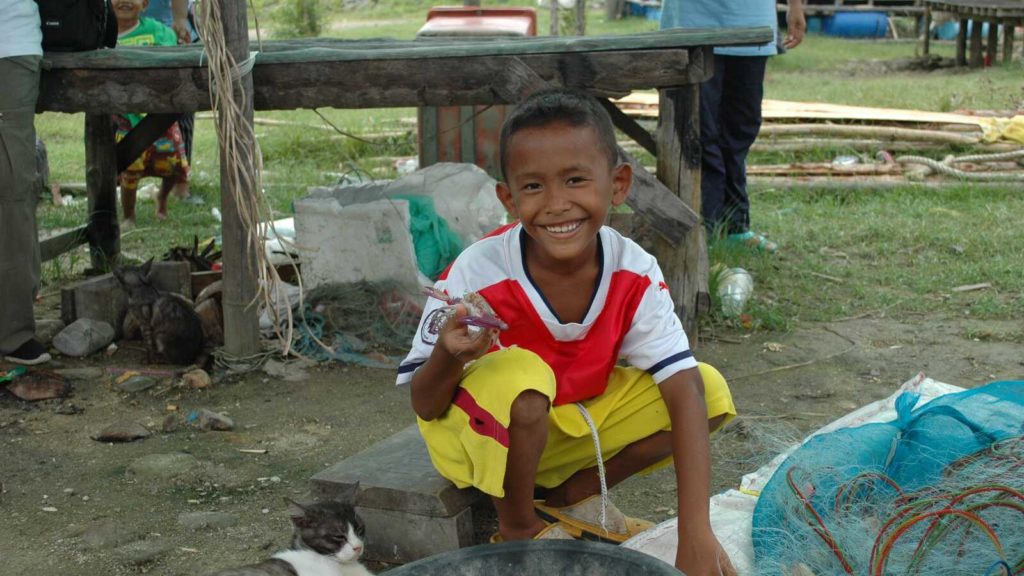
column 72, row 505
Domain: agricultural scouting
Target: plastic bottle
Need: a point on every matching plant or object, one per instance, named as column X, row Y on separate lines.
column 734, row 288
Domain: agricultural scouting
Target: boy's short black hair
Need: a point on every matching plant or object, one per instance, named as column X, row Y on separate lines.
column 573, row 107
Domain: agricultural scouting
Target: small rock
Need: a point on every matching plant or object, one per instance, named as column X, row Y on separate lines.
column 111, row 350
column 49, row 509
column 287, row 372
column 83, row 337
column 122, row 431
column 196, row 379
column 46, row 329
column 170, row 424
column 209, row 420
column 136, row 384
column 199, row 520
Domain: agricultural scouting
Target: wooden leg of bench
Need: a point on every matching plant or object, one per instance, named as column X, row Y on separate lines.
column 975, row 58
column 1008, row 31
column 961, row 44
column 993, row 42
column 101, row 183
column 926, row 48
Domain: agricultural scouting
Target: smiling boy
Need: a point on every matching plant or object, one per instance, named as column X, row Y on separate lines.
column 544, row 403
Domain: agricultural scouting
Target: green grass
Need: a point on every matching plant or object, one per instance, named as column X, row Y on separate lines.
column 842, row 254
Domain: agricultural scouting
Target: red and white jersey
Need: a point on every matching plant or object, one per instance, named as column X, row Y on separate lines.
column 631, row 316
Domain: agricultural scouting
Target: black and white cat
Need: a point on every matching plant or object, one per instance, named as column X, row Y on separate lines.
column 328, row 541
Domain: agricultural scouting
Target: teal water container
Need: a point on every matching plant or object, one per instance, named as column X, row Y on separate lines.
column 856, row 25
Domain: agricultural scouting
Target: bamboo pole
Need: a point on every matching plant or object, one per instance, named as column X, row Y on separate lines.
column 879, row 132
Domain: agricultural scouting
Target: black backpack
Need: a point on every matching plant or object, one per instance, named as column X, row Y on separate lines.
column 76, row 25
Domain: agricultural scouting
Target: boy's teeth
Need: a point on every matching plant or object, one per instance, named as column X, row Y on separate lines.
column 569, row 227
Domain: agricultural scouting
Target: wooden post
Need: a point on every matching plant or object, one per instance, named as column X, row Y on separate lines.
column 679, row 153
column 1008, row 31
column 975, row 58
column 104, row 232
column 613, row 9
column 993, row 42
column 553, row 28
column 581, row 17
column 241, row 325
column 961, row 44
column 926, row 48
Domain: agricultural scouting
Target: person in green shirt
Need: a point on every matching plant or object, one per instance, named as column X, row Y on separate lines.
column 166, row 158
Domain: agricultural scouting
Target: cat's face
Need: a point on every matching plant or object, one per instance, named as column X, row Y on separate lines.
column 330, row 529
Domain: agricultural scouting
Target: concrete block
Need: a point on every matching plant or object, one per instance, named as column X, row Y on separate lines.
column 395, row 474
column 410, row 511
column 399, row 537
column 346, row 244
column 101, row 298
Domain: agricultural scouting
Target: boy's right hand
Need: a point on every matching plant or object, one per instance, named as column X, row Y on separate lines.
column 462, row 343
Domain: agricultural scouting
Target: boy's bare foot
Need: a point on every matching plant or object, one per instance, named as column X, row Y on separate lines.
column 161, row 214
column 127, row 224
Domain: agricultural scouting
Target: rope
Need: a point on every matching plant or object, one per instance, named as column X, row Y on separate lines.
column 600, row 464
column 945, row 168
column 243, row 161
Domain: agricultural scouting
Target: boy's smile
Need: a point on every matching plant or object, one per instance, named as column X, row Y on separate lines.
column 128, row 11
column 560, row 186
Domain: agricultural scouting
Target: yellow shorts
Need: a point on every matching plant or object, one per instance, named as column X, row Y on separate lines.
column 469, row 443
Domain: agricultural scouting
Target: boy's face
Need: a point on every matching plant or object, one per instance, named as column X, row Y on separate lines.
column 129, row 10
column 560, row 185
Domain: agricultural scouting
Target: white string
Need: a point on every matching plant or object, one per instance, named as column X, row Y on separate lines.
column 600, row 465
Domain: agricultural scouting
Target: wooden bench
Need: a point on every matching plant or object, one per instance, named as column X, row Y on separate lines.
column 410, row 511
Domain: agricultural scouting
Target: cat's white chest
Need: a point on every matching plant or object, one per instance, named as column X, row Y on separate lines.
column 307, row 563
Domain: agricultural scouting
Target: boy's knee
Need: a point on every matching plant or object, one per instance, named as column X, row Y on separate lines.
column 530, row 409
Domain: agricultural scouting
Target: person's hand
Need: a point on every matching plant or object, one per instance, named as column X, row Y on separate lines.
column 796, row 26
column 182, row 31
column 461, row 342
column 703, row 556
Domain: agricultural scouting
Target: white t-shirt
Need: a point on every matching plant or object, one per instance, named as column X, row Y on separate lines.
column 20, row 33
column 631, row 316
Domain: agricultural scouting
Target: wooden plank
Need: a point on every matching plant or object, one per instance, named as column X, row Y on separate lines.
column 679, row 156
column 669, row 216
column 353, row 84
column 322, row 50
column 101, row 182
column 880, row 132
column 55, row 246
column 630, row 128
column 646, row 103
column 241, row 324
column 141, row 137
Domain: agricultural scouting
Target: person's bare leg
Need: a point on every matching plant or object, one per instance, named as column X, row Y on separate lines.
column 630, row 460
column 527, row 435
column 129, row 192
column 181, row 189
column 166, row 184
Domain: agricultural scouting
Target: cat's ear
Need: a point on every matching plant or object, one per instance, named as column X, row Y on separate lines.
column 146, row 267
column 297, row 512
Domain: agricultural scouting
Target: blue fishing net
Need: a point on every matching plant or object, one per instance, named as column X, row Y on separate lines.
column 939, row 490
